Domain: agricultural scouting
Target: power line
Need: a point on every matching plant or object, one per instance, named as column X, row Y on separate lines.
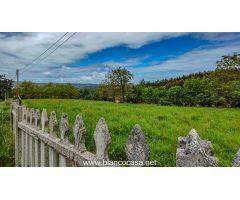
column 45, row 50
column 53, row 50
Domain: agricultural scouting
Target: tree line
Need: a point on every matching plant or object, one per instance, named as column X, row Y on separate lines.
column 218, row 88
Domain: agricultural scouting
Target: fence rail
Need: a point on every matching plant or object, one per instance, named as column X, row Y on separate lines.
column 37, row 143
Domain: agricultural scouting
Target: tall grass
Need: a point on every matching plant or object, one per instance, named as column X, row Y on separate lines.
column 162, row 125
column 6, row 137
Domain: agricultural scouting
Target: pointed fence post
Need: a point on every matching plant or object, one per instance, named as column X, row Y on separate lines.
column 36, row 143
column 28, row 113
column 137, row 148
column 31, row 139
column 79, row 131
column 53, row 124
column 195, row 152
column 44, row 121
column 24, row 114
column 102, row 140
column 31, row 117
column 18, row 134
column 64, row 131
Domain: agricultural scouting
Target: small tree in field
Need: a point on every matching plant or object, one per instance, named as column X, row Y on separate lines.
column 229, row 62
column 118, row 81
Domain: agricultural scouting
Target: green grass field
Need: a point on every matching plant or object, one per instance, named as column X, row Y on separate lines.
column 6, row 137
column 162, row 125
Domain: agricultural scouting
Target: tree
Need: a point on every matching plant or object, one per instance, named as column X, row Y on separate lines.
column 5, row 86
column 229, row 62
column 118, row 81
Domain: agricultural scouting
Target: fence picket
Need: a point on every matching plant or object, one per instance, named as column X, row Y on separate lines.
column 79, row 131
column 137, row 148
column 44, row 120
column 43, row 155
column 23, row 149
column 102, row 139
column 53, row 124
column 64, row 131
column 26, row 149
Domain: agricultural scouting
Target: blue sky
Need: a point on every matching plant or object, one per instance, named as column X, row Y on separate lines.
column 87, row 57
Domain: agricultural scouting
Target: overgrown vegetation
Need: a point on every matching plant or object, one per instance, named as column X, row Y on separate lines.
column 6, row 137
column 5, row 87
column 162, row 125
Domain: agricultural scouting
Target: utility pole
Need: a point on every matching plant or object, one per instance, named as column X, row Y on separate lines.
column 17, row 88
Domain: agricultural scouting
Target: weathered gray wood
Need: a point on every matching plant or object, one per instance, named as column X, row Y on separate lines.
column 44, row 120
column 67, row 150
column 53, row 124
column 18, row 118
column 137, row 148
column 32, row 113
column 31, row 152
column 43, row 156
column 195, row 152
column 26, row 149
column 52, row 157
column 79, row 131
column 36, row 153
column 102, row 139
column 37, row 119
column 23, row 149
column 64, row 128
column 28, row 113
column 24, row 114
column 64, row 131
column 62, row 161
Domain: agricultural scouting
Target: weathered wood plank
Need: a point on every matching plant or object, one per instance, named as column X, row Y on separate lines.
column 26, row 149
column 30, row 151
column 43, row 156
column 62, row 161
column 102, row 139
column 64, row 131
column 79, row 131
column 44, row 120
column 52, row 157
column 36, row 153
column 137, row 148
column 23, row 149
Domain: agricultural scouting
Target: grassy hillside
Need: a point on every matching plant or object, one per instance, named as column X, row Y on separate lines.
column 6, row 137
column 162, row 125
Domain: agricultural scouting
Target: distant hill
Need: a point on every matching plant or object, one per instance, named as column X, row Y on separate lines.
column 77, row 85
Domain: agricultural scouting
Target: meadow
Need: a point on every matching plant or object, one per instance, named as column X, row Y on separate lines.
column 162, row 125
column 6, row 137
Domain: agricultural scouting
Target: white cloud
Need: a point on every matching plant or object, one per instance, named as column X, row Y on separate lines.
column 190, row 62
column 20, row 49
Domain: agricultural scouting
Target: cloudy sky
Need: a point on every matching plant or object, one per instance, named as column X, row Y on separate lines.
column 87, row 57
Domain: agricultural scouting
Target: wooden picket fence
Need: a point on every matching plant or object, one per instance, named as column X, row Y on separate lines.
column 37, row 144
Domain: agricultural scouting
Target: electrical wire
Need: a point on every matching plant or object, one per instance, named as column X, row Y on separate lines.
column 53, row 50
